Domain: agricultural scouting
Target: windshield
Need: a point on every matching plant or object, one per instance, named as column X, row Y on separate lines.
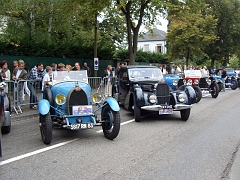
column 145, row 73
column 192, row 73
column 63, row 76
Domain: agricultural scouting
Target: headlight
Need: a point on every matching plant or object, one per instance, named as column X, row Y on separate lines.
column 60, row 99
column 153, row 99
column 189, row 82
column 208, row 81
column 96, row 98
column 175, row 82
column 196, row 81
column 181, row 97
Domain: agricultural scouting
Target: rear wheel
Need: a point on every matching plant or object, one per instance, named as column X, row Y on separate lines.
column 214, row 90
column 185, row 113
column 111, row 122
column 45, row 124
column 234, row 84
column 198, row 93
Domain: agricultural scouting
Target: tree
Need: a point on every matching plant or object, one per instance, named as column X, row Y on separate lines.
column 227, row 14
column 191, row 29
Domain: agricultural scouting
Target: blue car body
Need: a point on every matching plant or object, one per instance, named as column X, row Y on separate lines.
column 68, row 101
column 172, row 81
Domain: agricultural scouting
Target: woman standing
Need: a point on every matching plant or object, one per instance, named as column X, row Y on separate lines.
column 5, row 73
column 107, row 78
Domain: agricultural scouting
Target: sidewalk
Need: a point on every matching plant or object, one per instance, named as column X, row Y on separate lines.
column 26, row 112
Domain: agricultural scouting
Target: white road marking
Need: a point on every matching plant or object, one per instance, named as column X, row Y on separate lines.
column 124, row 123
column 49, row 148
column 34, row 152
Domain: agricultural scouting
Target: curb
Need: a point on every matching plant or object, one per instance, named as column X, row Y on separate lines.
column 21, row 116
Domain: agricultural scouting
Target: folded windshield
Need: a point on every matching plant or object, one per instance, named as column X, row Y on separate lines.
column 62, row 76
column 145, row 73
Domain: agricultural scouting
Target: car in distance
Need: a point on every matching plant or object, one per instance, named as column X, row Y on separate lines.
column 142, row 88
column 67, row 103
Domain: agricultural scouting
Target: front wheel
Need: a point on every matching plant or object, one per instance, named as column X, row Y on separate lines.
column 198, row 93
column 45, row 124
column 185, row 113
column 220, row 86
column 234, row 84
column 111, row 122
column 137, row 112
column 214, row 90
column 6, row 129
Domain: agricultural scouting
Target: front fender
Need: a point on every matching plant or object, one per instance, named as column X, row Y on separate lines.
column 138, row 96
column 190, row 92
column 43, row 107
column 113, row 104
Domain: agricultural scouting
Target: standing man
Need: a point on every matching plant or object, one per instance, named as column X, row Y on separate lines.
column 85, row 67
column 36, row 73
column 224, row 76
column 77, row 66
column 164, row 69
column 117, row 73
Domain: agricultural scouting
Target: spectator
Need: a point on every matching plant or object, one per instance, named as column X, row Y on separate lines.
column 77, row 66
column 107, row 77
column 173, row 69
column 15, row 64
column 164, row 69
column 61, row 67
column 36, row 73
column 5, row 73
column 117, row 72
column 20, row 74
column 85, row 67
column 68, row 67
column 223, row 74
column 46, row 77
column 178, row 70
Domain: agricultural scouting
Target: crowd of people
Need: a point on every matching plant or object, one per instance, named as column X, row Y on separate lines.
column 32, row 76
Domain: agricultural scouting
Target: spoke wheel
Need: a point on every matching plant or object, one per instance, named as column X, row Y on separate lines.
column 215, row 90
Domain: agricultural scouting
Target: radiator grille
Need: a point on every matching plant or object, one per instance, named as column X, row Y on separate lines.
column 77, row 98
column 203, row 83
column 163, row 94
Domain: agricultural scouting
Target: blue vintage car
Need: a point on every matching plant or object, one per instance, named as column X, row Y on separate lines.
column 67, row 103
column 172, row 81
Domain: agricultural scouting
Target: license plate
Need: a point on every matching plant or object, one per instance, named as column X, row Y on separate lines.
column 166, row 111
column 81, row 126
column 205, row 93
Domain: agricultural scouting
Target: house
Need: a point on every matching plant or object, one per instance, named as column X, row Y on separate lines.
column 153, row 41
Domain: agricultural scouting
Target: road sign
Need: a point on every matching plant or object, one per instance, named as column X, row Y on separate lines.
column 95, row 63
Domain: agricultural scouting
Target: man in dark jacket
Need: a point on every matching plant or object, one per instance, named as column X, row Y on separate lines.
column 85, row 67
column 224, row 77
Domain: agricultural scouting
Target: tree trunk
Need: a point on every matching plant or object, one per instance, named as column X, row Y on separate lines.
column 50, row 20
column 187, row 59
column 212, row 63
column 32, row 22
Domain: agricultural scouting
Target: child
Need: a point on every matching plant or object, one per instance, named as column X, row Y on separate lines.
column 46, row 77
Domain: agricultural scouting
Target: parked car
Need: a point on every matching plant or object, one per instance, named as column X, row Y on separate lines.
column 67, row 103
column 142, row 88
column 231, row 80
column 192, row 78
column 5, row 110
column 172, row 81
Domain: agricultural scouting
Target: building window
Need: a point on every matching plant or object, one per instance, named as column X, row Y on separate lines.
column 146, row 47
column 159, row 48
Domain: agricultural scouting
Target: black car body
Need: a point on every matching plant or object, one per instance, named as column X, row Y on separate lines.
column 143, row 88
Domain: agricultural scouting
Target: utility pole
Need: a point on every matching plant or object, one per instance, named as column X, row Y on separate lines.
column 95, row 43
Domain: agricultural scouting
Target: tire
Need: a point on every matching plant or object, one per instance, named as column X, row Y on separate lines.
column 110, row 130
column 115, row 95
column 234, row 84
column 220, row 86
column 137, row 112
column 198, row 93
column 185, row 113
column 215, row 90
column 47, row 94
column 45, row 124
column 6, row 129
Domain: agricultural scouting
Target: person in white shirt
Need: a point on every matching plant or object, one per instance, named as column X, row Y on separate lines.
column 164, row 69
column 5, row 73
column 46, row 77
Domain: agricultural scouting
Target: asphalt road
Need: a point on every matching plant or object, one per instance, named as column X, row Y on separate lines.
column 159, row 147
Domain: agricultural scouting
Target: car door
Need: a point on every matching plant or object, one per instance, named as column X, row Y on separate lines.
column 123, row 86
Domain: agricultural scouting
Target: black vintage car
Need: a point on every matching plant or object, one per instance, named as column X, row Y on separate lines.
column 143, row 88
